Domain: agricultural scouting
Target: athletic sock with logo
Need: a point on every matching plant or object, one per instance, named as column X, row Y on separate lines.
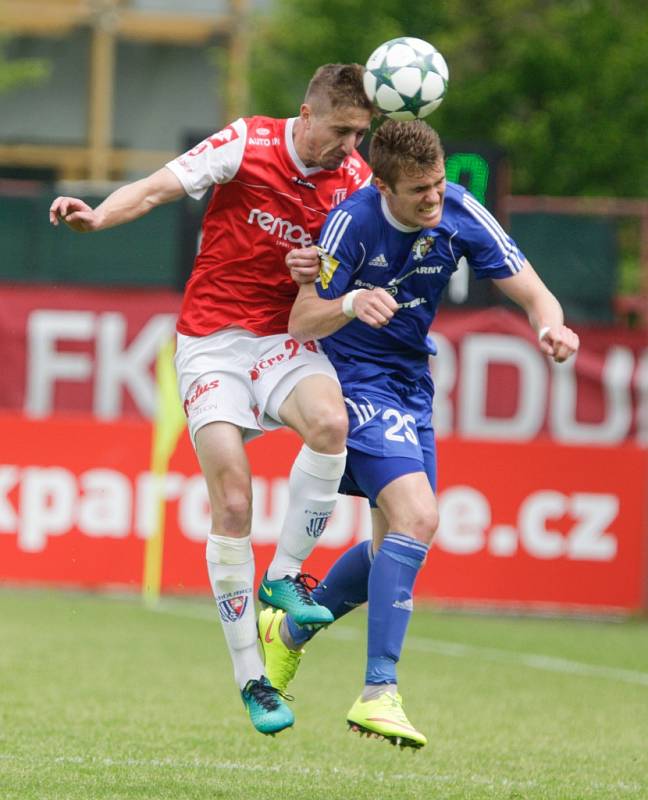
column 391, row 585
column 230, row 563
column 312, row 492
column 343, row 589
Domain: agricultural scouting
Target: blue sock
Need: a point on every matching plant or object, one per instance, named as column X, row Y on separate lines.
column 343, row 588
column 391, row 585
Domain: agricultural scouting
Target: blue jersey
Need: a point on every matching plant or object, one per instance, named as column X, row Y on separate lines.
column 363, row 247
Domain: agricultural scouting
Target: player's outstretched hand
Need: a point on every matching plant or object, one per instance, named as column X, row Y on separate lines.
column 74, row 213
column 560, row 343
column 376, row 307
column 304, row 264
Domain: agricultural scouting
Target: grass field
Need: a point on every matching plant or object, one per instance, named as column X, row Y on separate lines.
column 101, row 698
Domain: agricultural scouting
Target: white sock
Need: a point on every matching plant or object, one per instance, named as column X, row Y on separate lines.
column 312, row 492
column 372, row 691
column 230, row 563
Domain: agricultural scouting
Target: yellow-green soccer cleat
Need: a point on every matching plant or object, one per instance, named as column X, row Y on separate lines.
column 293, row 595
column 268, row 713
column 280, row 661
column 384, row 716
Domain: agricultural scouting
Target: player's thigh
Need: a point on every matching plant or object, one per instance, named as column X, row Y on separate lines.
column 224, row 464
column 410, row 507
column 315, row 409
column 214, row 381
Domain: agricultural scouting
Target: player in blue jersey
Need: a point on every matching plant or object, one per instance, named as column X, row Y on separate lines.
column 386, row 255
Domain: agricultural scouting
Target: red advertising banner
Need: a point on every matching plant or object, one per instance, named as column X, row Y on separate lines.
column 530, row 525
column 92, row 351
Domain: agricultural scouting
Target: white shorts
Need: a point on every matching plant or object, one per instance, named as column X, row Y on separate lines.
column 235, row 376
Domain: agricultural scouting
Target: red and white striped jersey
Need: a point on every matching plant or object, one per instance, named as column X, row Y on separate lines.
column 265, row 202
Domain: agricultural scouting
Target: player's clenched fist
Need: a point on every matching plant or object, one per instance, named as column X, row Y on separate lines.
column 304, row 264
column 376, row 307
column 560, row 342
column 74, row 213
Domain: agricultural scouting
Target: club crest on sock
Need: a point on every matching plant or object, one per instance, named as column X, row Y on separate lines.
column 231, row 608
column 316, row 523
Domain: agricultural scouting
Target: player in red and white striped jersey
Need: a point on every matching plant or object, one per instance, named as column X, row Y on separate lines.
column 239, row 373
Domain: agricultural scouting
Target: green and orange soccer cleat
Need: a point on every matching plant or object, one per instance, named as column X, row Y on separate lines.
column 280, row 661
column 384, row 717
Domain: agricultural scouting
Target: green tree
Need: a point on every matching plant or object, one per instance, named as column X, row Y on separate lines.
column 561, row 86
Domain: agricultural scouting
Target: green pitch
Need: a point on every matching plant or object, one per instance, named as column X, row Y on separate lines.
column 102, row 699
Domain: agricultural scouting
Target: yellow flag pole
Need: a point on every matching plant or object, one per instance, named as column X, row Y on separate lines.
column 168, row 424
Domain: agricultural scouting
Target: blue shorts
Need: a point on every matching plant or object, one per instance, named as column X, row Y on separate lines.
column 390, row 434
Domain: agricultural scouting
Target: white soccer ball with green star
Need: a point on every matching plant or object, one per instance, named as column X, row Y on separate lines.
column 406, row 78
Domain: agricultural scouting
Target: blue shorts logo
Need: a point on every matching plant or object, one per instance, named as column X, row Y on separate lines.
column 232, row 609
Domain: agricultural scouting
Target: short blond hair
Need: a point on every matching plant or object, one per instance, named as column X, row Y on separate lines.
column 407, row 148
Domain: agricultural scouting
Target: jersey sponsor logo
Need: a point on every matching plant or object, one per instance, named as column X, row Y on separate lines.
column 417, row 301
column 350, row 161
column 435, row 269
column 262, row 131
column 353, row 167
column 198, row 392
column 264, row 141
column 301, row 182
column 282, row 228
column 338, row 196
column 360, row 284
column 328, row 265
column 231, row 607
column 291, row 348
column 422, row 247
column 379, row 261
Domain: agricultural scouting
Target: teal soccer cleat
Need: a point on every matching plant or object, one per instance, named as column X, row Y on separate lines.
column 265, row 706
column 293, row 595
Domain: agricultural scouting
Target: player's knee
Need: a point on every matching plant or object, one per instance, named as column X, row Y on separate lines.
column 424, row 523
column 234, row 512
column 326, row 432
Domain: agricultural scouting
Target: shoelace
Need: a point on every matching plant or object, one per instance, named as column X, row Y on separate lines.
column 265, row 694
column 304, row 585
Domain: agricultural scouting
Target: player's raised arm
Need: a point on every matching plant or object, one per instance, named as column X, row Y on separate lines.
column 544, row 311
column 125, row 204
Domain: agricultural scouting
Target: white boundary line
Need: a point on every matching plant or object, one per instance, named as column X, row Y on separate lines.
column 455, row 650
column 289, row 769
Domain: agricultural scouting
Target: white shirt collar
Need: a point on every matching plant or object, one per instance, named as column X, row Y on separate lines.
column 292, row 152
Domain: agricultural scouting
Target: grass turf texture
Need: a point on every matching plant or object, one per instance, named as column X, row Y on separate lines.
column 101, row 698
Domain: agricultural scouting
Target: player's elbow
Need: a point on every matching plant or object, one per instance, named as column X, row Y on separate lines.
column 297, row 327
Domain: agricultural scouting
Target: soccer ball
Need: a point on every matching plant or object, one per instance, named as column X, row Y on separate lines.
column 406, row 78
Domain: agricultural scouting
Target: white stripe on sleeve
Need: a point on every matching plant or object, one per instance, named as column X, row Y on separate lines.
column 488, row 221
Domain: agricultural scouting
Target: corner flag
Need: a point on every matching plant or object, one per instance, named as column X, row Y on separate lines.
column 168, row 424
